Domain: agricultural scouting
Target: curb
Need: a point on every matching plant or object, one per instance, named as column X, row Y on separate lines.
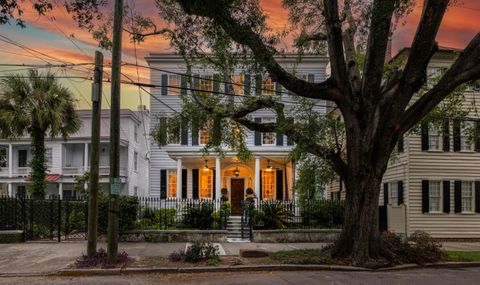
column 237, row 268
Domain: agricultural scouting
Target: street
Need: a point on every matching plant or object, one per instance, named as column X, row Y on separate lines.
column 421, row 276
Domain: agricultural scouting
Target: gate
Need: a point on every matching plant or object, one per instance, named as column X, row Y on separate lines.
column 45, row 219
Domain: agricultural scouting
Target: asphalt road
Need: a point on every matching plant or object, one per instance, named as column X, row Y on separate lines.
column 421, row 276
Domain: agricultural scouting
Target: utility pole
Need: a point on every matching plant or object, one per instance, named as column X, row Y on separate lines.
column 95, row 155
column 115, row 184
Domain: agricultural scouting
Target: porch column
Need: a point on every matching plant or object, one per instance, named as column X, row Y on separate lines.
column 10, row 190
column 218, row 172
column 179, row 178
column 10, row 160
column 85, row 158
column 257, row 177
column 60, row 190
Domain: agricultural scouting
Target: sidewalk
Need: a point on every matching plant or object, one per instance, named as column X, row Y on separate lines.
column 42, row 257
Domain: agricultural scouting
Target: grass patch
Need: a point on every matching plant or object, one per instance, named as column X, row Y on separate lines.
column 462, row 256
column 301, row 256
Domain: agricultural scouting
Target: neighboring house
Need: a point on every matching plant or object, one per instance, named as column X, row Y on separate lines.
column 433, row 181
column 69, row 159
column 182, row 171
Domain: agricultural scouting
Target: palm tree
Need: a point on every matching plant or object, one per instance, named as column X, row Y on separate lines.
column 39, row 106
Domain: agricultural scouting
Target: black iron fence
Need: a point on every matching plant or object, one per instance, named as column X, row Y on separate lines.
column 275, row 214
column 56, row 219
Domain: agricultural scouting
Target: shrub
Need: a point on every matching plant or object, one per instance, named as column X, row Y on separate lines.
column 156, row 219
column 100, row 259
column 276, row 215
column 177, row 256
column 199, row 251
column 224, row 197
column 198, row 216
column 322, row 213
column 418, row 248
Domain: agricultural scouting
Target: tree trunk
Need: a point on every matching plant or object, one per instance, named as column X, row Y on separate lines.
column 38, row 164
column 360, row 239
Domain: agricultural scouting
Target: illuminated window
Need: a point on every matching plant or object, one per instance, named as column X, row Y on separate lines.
column 204, row 133
column 172, row 183
column 206, row 84
column 206, row 184
column 268, row 86
column 238, row 84
column 174, row 80
column 268, row 183
column 268, row 138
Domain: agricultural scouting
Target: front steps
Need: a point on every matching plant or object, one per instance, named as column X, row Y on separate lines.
column 234, row 230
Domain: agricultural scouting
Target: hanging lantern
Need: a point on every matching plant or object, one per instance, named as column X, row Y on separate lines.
column 269, row 167
column 205, row 168
column 236, row 172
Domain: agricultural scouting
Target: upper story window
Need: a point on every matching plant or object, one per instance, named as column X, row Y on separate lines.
column 174, row 83
column 22, row 158
column 206, row 184
column 238, row 87
column 393, row 193
column 434, row 196
column 466, row 143
column 49, row 156
column 206, row 83
column 268, row 138
column 172, row 183
column 434, row 137
column 268, row 184
column 204, row 133
column 268, row 86
column 3, row 157
column 135, row 161
column 467, row 196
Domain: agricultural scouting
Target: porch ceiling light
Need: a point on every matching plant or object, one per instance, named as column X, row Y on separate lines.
column 236, row 172
column 269, row 167
column 205, row 168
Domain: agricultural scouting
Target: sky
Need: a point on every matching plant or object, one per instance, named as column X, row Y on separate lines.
column 57, row 36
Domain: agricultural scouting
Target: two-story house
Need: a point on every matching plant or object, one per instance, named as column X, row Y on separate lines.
column 69, row 159
column 432, row 182
column 181, row 170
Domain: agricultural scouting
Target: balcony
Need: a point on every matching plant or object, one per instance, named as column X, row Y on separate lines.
column 72, row 170
column 21, row 171
column 105, row 171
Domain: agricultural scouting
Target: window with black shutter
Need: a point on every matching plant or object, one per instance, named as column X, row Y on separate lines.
column 425, row 196
column 184, row 184
column 457, row 136
column 195, row 181
column 446, row 135
column 258, row 135
column 424, row 135
column 446, row 196
column 458, row 196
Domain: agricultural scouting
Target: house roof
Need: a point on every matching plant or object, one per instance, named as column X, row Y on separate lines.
column 52, row 177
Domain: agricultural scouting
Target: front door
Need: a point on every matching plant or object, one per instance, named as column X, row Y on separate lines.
column 237, row 195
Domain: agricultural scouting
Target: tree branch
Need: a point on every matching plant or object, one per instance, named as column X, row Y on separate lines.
column 466, row 68
column 304, row 38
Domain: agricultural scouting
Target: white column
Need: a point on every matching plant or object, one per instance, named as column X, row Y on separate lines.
column 10, row 190
column 257, row 177
column 10, row 160
column 218, row 172
column 179, row 178
column 85, row 158
column 60, row 190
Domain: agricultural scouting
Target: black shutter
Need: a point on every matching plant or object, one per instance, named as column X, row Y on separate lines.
column 280, row 139
column 477, row 135
column 400, row 192
column 164, row 79
column 425, row 197
column 424, row 136
column 279, row 183
column 163, row 184
column 216, row 83
column 195, row 133
column 258, row 84
column 184, row 184
column 385, row 194
column 214, row 185
column 456, row 135
column 195, row 183
column 477, row 196
column 278, row 89
column 446, row 135
column 247, row 83
column 446, row 196
column 184, row 132
column 258, row 135
column 458, row 196
column 183, row 84
column 261, row 187
column 311, row 77
column 289, row 140
column 400, row 144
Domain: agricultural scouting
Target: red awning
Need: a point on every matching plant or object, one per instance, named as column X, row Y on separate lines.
column 48, row 178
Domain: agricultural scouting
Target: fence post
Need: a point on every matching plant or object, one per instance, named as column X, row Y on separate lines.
column 59, row 230
column 51, row 219
column 24, row 218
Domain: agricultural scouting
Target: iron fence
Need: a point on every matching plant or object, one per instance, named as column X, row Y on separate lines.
column 276, row 214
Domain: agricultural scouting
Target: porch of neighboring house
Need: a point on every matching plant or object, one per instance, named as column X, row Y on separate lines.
column 196, row 177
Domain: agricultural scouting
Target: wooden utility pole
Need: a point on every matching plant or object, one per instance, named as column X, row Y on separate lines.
column 115, row 134
column 95, row 155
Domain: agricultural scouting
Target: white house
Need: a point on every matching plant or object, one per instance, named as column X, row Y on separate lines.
column 69, row 159
column 181, row 171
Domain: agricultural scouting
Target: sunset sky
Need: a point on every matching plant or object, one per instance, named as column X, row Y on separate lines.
column 51, row 37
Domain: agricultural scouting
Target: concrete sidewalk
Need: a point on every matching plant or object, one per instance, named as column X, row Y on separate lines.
column 42, row 257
